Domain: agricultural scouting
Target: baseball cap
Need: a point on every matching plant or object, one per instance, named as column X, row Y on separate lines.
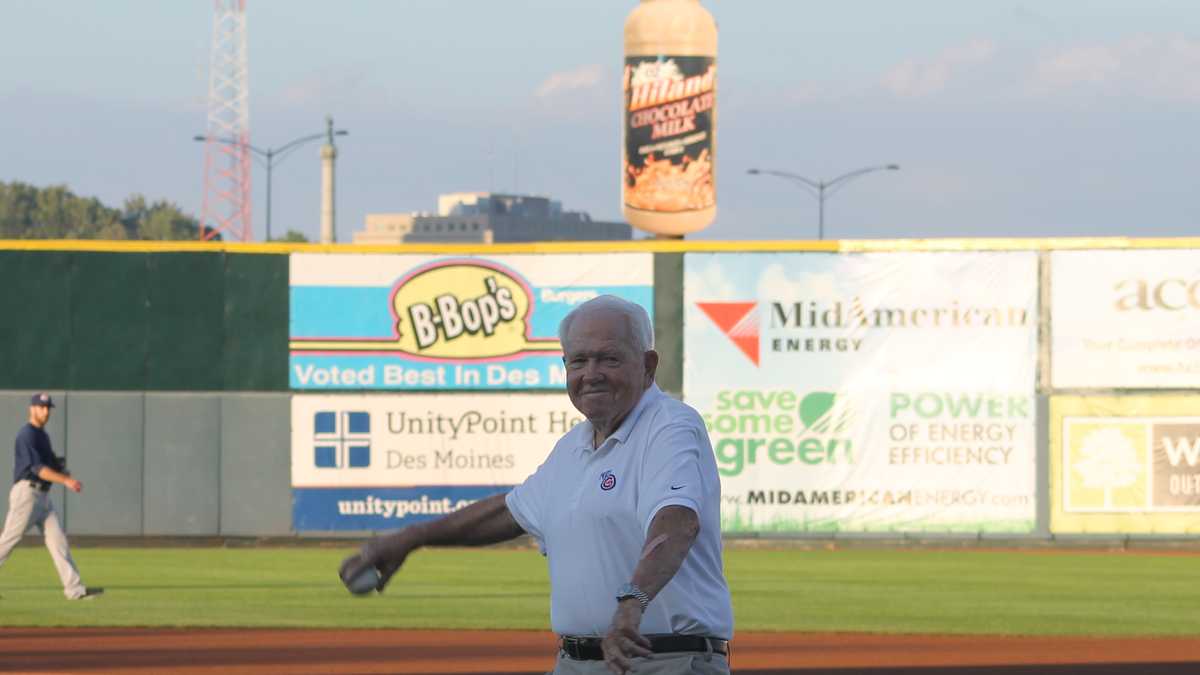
column 42, row 399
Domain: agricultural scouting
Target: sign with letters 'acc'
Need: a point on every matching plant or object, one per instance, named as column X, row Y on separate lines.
column 1125, row 319
column 414, row 322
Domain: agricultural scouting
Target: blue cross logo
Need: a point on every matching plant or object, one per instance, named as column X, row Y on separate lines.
column 342, row 440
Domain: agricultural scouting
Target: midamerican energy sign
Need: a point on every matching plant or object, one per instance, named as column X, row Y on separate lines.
column 867, row 392
column 405, row 322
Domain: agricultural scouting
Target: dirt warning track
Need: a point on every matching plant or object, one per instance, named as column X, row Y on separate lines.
column 208, row 651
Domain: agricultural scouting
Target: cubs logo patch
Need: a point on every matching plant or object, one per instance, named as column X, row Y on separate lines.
column 608, row 481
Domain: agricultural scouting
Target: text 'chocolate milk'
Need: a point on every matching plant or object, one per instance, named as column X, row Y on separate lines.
column 668, row 185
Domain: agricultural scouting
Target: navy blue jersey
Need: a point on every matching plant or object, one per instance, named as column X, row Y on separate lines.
column 32, row 452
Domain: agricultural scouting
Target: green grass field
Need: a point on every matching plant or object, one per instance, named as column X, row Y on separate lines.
column 860, row 590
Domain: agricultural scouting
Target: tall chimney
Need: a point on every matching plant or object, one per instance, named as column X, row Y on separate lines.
column 328, row 217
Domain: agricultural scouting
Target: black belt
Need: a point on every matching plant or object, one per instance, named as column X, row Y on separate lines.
column 588, row 648
column 38, row 485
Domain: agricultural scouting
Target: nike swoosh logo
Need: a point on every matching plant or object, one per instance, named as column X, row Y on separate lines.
column 677, row 487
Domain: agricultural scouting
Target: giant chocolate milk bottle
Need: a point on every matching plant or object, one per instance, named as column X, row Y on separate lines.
column 670, row 82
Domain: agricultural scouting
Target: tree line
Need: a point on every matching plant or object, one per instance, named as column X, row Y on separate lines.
column 54, row 212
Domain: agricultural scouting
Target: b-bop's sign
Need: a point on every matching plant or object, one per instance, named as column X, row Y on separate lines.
column 867, row 392
column 427, row 323
column 382, row 461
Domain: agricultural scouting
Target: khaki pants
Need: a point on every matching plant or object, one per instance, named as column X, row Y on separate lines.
column 27, row 506
column 681, row 663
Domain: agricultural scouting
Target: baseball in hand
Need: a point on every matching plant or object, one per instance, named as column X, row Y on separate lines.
column 364, row 582
column 359, row 578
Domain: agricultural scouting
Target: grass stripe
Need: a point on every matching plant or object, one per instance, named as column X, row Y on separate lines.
column 861, row 590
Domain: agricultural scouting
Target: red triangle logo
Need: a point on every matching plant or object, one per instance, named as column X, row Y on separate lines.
column 738, row 321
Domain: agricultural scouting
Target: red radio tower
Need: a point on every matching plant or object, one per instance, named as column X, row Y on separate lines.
column 226, row 208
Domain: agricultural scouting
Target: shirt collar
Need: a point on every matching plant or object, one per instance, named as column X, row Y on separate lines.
column 621, row 435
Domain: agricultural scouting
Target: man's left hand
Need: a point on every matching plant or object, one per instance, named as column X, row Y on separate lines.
column 623, row 641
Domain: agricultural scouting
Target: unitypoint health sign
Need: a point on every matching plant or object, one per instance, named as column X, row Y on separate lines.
column 409, row 322
column 867, row 392
column 382, row 461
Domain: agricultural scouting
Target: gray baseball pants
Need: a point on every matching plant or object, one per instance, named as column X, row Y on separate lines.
column 27, row 506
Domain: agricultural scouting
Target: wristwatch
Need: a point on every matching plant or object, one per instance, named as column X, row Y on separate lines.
column 631, row 591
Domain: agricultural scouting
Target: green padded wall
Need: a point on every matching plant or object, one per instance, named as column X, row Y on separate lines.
column 180, row 321
column 255, row 352
column 108, row 321
column 668, row 320
column 35, row 336
column 185, row 321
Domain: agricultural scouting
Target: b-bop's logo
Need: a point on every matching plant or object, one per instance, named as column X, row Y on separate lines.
column 456, row 309
column 751, row 426
column 464, row 309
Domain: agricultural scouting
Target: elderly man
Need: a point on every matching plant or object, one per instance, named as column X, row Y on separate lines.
column 35, row 469
column 625, row 508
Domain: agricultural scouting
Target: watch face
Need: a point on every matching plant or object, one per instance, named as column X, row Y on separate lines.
column 631, row 591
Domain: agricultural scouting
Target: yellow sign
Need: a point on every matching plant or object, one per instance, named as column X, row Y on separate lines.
column 1128, row 464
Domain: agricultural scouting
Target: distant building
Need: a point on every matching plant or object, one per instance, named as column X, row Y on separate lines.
column 385, row 228
column 486, row 217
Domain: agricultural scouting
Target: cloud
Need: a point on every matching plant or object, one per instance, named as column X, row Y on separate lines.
column 711, row 283
column 326, row 85
column 913, row 78
column 774, row 283
column 583, row 77
column 1153, row 67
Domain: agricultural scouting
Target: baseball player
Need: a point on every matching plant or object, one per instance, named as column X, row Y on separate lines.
column 35, row 468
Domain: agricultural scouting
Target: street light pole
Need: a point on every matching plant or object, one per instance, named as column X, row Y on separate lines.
column 270, row 165
column 820, row 186
column 270, row 155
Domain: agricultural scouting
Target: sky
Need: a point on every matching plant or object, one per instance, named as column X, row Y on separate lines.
column 1007, row 119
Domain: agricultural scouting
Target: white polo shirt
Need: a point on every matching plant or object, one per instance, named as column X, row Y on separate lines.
column 590, row 510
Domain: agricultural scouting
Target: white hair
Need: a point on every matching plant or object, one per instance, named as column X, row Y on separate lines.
column 640, row 326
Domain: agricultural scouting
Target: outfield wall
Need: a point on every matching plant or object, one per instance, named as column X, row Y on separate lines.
column 132, row 320
column 168, row 464
column 959, row 388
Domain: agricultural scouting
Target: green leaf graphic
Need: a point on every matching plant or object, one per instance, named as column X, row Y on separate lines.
column 815, row 408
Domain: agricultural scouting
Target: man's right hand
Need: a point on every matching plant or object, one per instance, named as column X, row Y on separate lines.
column 73, row 485
column 385, row 554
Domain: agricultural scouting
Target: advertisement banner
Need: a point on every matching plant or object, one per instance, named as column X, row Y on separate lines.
column 412, row 322
column 1128, row 464
column 1125, row 319
column 881, row 392
column 382, row 461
